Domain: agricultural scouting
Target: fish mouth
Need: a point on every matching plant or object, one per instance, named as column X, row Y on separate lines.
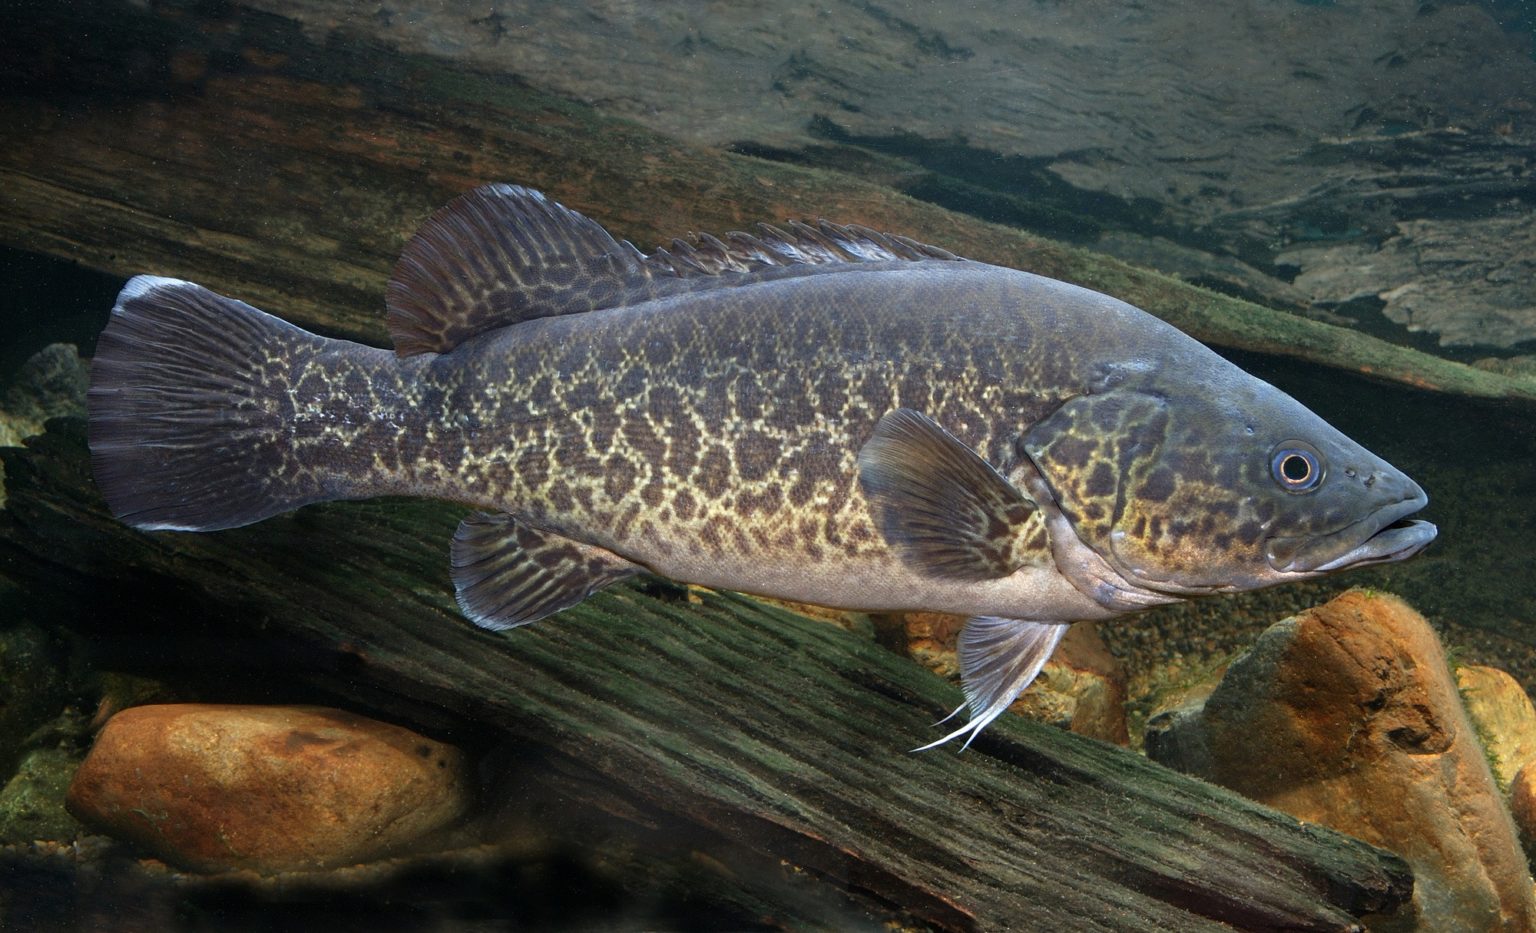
column 1384, row 536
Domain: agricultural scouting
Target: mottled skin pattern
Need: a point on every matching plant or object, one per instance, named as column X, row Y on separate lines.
column 714, row 437
column 829, row 414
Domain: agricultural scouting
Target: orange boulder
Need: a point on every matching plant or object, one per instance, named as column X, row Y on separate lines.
column 269, row 788
column 1347, row 715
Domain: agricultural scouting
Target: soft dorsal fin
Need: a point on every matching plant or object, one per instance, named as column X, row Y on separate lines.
column 495, row 256
column 802, row 245
column 502, row 254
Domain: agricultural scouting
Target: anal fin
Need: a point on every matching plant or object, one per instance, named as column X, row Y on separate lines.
column 506, row 573
column 998, row 659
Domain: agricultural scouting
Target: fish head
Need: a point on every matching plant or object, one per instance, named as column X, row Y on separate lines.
column 1225, row 485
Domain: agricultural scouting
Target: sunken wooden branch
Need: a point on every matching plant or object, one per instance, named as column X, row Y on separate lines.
column 228, row 148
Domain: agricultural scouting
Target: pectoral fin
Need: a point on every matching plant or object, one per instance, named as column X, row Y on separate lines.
column 507, row 574
column 998, row 659
column 939, row 503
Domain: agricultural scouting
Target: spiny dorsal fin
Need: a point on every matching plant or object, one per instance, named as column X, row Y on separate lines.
column 507, row 574
column 939, row 503
column 503, row 254
column 495, row 256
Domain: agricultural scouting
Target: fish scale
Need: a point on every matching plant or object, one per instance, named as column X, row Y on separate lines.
column 820, row 413
column 763, row 448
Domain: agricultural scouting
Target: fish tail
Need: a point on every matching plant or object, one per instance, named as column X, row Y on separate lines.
column 188, row 404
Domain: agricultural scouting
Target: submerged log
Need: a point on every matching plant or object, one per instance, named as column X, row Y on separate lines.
column 228, row 148
column 765, row 738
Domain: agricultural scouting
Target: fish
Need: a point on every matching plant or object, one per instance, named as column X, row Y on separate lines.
column 814, row 412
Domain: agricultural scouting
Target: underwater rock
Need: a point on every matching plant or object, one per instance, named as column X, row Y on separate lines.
column 1503, row 716
column 1522, row 806
column 32, row 801
column 44, row 732
column 50, row 383
column 32, row 796
column 1462, row 279
column 1086, row 683
column 269, row 788
column 926, row 637
column 1505, row 720
column 1081, row 688
column 33, row 686
column 1173, row 733
column 1346, row 715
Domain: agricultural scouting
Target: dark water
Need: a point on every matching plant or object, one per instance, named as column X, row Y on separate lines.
column 1242, row 187
column 51, row 300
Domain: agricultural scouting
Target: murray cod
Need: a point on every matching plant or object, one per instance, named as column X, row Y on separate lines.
column 819, row 413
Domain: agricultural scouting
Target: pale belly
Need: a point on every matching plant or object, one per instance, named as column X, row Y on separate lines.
column 1035, row 593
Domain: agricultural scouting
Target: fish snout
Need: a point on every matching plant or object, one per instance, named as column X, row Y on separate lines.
column 1381, row 482
column 1380, row 531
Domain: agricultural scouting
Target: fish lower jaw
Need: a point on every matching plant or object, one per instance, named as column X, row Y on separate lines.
column 1398, row 541
column 1382, row 536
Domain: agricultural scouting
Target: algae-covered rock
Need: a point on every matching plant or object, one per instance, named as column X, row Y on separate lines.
column 1347, row 715
column 1503, row 716
column 50, row 384
column 32, row 795
column 1173, row 735
column 32, row 801
column 1522, row 806
column 269, row 788
column 33, row 686
column 1082, row 688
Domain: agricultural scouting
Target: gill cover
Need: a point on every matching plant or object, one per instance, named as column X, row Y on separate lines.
column 1089, row 450
column 1159, row 488
column 1227, row 485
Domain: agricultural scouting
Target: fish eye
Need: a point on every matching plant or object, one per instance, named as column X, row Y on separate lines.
column 1297, row 466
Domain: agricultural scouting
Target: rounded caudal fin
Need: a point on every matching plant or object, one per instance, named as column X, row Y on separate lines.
column 186, row 426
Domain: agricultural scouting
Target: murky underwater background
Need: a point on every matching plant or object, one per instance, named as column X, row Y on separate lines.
column 1364, row 169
